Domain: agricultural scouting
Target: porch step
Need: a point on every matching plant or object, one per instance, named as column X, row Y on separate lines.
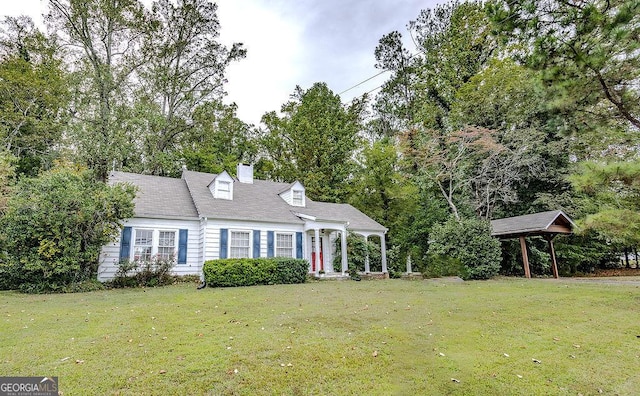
column 331, row 276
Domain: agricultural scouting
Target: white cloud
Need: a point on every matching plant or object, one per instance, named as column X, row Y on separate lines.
column 264, row 80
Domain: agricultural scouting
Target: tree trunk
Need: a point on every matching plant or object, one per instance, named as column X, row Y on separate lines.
column 626, row 258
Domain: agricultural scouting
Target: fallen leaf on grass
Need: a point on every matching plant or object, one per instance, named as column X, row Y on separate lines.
column 518, row 375
column 441, row 354
column 65, row 358
column 506, row 354
column 576, row 346
column 163, row 371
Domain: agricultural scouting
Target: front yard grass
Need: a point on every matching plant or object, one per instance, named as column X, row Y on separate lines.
column 506, row 337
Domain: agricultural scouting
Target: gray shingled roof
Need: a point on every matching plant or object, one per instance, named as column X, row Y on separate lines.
column 531, row 224
column 341, row 212
column 161, row 197
column 260, row 202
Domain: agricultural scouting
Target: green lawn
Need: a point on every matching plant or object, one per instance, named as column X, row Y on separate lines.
column 500, row 337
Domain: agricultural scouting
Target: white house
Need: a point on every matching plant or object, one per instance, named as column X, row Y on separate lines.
column 203, row 216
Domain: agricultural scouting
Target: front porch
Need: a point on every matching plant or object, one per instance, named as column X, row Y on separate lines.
column 326, row 249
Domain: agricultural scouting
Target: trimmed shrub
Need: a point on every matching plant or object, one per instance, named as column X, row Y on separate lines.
column 258, row 271
column 468, row 241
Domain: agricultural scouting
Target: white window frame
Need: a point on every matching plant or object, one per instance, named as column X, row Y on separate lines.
column 297, row 201
column 224, row 193
column 279, row 249
column 173, row 249
column 142, row 256
column 231, row 247
column 155, row 243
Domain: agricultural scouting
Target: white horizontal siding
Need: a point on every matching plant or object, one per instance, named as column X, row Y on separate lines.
column 213, row 235
column 110, row 254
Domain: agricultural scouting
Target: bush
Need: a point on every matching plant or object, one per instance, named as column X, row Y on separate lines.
column 258, row 271
column 470, row 242
column 148, row 273
column 358, row 250
column 439, row 266
column 54, row 227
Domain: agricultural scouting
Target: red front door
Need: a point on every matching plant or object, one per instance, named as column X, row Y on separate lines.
column 313, row 255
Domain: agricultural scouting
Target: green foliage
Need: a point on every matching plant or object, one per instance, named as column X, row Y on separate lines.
column 148, row 273
column 218, row 140
column 258, row 271
column 358, row 250
column 588, row 51
column 56, row 224
column 185, row 76
column 470, row 242
column 439, row 266
column 615, row 188
column 313, row 142
column 33, row 95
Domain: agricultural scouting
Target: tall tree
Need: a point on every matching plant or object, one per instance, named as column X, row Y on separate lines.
column 589, row 52
column 313, row 142
column 185, row 70
column 104, row 38
column 614, row 191
column 33, row 95
column 218, row 140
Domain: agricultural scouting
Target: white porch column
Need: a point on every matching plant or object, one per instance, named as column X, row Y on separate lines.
column 343, row 251
column 367, row 268
column 316, row 233
column 383, row 252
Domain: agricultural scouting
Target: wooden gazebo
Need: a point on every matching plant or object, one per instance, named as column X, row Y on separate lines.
column 544, row 224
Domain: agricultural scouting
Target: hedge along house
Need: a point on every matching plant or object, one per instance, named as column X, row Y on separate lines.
column 204, row 216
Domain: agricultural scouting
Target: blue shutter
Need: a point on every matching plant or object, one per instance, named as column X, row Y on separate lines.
column 182, row 246
column 256, row 243
column 269, row 243
column 125, row 244
column 223, row 243
column 298, row 245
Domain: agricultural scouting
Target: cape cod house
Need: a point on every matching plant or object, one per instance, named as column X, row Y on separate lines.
column 203, row 216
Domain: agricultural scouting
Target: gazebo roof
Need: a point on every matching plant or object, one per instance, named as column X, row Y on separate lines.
column 551, row 222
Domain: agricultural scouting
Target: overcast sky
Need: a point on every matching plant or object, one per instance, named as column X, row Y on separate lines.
column 295, row 42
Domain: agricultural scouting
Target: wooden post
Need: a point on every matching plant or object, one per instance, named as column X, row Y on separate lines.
column 525, row 257
column 552, row 252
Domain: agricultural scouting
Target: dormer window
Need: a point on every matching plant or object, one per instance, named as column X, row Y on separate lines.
column 294, row 195
column 224, row 189
column 222, row 186
column 297, row 198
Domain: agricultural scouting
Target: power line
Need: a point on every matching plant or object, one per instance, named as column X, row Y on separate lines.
column 374, row 76
column 362, row 82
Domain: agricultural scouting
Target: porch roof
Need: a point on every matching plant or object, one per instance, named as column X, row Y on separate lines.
column 551, row 222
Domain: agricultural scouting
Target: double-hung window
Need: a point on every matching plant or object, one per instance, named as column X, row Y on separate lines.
column 240, row 244
column 224, row 189
column 284, row 245
column 297, row 198
column 166, row 245
column 150, row 243
column 143, row 245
